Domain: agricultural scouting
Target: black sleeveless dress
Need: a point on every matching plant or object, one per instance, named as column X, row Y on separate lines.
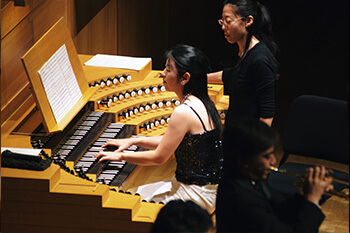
column 199, row 157
column 199, row 167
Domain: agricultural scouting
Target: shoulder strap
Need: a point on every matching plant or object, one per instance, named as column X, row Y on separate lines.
column 197, row 116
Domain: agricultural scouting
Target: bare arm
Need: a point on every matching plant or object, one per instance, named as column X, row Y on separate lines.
column 215, row 78
column 145, row 142
column 173, row 136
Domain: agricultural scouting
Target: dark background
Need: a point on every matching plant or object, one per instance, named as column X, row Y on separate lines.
column 313, row 37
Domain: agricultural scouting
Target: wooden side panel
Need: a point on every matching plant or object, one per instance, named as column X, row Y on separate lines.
column 19, row 32
column 55, row 201
column 100, row 34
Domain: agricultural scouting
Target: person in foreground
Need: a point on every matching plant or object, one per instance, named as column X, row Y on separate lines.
column 245, row 203
column 193, row 133
column 250, row 84
column 183, row 216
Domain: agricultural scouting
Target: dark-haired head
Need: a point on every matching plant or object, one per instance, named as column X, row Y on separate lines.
column 180, row 216
column 261, row 27
column 245, row 139
column 191, row 60
column 196, row 63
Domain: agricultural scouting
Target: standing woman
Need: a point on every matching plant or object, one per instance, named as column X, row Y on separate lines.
column 193, row 133
column 250, row 84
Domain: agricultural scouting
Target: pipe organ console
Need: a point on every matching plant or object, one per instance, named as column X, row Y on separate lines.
column 124, row 104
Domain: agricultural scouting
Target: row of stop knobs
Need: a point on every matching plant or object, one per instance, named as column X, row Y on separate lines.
column 120, row 96
column 154, row 123
column 146, row 107
column 109, row 81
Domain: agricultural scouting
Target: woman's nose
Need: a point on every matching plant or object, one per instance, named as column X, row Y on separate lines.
column 273, row 160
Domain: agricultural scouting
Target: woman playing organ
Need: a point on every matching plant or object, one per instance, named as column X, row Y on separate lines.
column 193, row 134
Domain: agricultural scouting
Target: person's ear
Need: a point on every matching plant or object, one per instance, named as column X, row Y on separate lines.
column 249, row 21
column 185, row 78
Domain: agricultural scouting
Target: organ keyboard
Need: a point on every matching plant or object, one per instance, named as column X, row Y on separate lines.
column 116, row 103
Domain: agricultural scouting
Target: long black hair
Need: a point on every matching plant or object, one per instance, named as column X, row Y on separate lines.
column 194, row 61
column 245, row 139
column 261, row 27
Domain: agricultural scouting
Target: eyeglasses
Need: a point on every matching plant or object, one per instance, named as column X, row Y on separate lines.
column 227, row 22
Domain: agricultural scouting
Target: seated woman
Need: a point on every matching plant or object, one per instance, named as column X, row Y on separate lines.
column 245, row 203
column 193, row 133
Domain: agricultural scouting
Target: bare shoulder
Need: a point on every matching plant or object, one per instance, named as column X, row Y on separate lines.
column 181, row 110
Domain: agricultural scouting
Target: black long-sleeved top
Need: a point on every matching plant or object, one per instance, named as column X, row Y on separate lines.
column 242, row 207
column 251, row 88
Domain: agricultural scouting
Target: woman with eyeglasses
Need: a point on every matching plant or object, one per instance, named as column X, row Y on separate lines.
column 250, row 84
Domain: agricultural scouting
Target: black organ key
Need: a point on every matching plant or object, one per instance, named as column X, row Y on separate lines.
column 96, row 84
column 139, row 92
column 120, row 96
column 110, row 148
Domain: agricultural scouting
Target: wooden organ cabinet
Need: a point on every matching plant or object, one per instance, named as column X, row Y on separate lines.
column 76, row 194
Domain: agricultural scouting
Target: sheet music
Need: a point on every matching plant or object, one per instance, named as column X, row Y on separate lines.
column 60, row 84
column 114, row 61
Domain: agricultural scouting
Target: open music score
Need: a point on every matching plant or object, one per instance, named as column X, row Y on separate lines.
column 60, row 84
column 52, row 65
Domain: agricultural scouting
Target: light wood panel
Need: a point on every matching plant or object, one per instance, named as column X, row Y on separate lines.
column 56, row 201
column 23, row 30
